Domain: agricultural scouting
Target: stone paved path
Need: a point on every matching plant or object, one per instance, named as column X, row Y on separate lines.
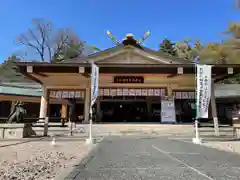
column 123, row 158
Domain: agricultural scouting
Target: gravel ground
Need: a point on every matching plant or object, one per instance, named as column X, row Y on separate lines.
column 40, row 160
column 229, row 146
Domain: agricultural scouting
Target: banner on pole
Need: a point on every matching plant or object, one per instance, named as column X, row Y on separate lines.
column 204, row 82
column 94, row 83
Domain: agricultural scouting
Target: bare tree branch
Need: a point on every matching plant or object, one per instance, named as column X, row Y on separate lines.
column 36, row 38
column 52, row 45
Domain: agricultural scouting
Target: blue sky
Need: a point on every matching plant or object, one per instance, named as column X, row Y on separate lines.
column 175, row 19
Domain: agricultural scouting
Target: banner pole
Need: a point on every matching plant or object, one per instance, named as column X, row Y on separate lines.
column 90, row 124
column 90, row 140
column 93, row 97
column 197, row 139
column 196, row 114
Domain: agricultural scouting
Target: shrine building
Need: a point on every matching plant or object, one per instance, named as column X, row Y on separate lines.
column 133, row 82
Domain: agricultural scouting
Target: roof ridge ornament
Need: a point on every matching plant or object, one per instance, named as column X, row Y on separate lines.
column 112, row 38
column 128, row 39
column 146, row 35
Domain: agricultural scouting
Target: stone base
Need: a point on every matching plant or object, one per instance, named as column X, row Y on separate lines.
column 16, row 131
column 85, row 122
column 197, row 140
column 237, row 132
column 90, row 141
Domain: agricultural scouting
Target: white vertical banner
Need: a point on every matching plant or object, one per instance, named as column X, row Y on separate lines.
column 94, row 83
column 94, row 95
column 204, row 80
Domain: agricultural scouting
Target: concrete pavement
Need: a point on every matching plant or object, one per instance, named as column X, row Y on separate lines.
column 123, row 158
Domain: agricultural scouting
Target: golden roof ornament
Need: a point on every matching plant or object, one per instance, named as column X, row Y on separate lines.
column 129, row 39
column 129, row 35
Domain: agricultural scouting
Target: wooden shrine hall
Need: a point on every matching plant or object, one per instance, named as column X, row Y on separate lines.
column 133, row 81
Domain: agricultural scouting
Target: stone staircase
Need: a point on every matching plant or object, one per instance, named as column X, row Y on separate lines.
column 225, row 133
column 177, row 130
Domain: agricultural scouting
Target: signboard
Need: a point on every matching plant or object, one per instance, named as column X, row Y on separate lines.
column 168, row 114
column 204, row 82
column 64, row 94
column 94, row 83
column 128, row 79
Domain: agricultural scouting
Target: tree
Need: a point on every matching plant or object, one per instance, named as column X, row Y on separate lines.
column 237, row 4
column 232, row 47
column 196, row 49
column 225, row 52
column 39, row 38
column 7, row 72
column 167, row 46
column 214, row 53
column 67, row 45
column 232, row 44
column 184, row 50
column 9, row 60
column 49, row 44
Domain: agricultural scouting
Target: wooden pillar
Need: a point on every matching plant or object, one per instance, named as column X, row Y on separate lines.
column 99, row 114
column 87, row 105
column 43, row 105
column 149, row 108
column 12, row 106
column 214, row 110
column 44, row 110
column 169, row 91
column 64, row 111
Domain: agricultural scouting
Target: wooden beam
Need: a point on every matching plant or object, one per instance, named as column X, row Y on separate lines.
column 172, row 75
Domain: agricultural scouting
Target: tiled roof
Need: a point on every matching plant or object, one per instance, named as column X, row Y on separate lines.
column 166, row 56
column 227, row 90
column 29, row 90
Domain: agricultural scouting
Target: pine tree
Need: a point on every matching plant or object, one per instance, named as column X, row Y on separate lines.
column 167, row 47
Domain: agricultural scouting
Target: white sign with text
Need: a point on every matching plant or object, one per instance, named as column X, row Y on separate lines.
column 168, row 114
column 94, row 83
column 204, row 83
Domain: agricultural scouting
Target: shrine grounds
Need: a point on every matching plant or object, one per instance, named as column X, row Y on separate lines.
column 165, row 153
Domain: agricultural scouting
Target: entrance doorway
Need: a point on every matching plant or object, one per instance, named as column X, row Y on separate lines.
column 127, row 112
column 185, row 110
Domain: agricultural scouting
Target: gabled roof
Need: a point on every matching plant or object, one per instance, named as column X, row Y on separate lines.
column 149, row 51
